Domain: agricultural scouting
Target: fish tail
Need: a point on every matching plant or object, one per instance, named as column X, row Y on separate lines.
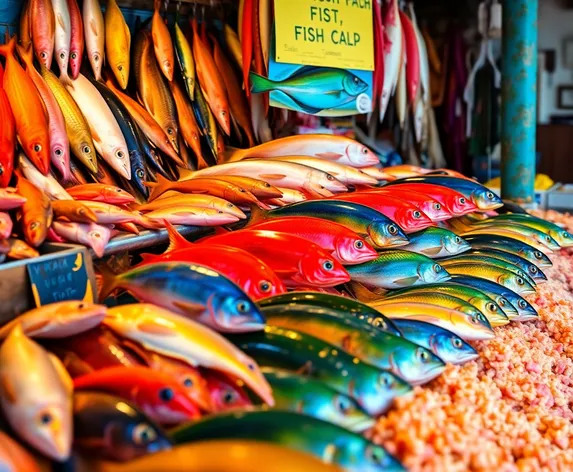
column 176, row 241
column 260, row 84
column 362, row 293
column 108, row 282
column 26, row 53
column 257, row 214
column 9, row 47
column 233, row 154
column 158, row 188
column 157, row 5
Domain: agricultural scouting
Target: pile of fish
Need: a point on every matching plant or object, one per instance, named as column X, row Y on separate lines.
column 299, row 328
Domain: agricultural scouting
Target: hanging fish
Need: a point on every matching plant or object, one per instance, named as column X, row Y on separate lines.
column 392, row 54
column 108, row 138
column 246, row 36
column 63, row 36
column 77, row 128
column 25, row 29
column 162, row 42
column 36, row 212
column 77, row 38
column 211, row 82
column 233, row 45
column 206, row 121
column 94, row 30
column 117, row 43
column 7, row 139
column 186, row 61
column 413, row 57
column 28, row 109
column 43, row 32
column 59, row 143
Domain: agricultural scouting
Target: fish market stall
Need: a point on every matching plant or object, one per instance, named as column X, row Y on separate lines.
column 210, row 267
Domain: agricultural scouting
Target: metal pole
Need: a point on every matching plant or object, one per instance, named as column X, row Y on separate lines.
column 519, row 98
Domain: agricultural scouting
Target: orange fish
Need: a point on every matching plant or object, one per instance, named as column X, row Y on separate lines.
column 28, row 108
column 25, row 25
column 162, row 43
column 211, row 82
column 36, row 212
column 7, row 137
column 188, row 124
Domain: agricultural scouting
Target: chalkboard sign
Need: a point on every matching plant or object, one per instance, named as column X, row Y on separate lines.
column 59, row 279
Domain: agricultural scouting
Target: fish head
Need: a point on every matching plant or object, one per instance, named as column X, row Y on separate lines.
column 48, row 427
column 460, row 205
column 416, row 364
column 485, row 199
column 132, row 437
column 474, row 327
column 75, row 61
column 35, row 230
column 171, row 131
column 97, row 237
column 353, row 250
column 232, row 209
column 435, row 210
column 88, row 155
column 386, row 234
column 60, row 154
column 20, row 250
column 524, row 309
column 377, row 458
column 38, row 150
column 376, row 390
column 225, row 393
column 116, row 195
column 360, row 156
column 432, row 272
column 318, row 268
column 564, row 238
column 412, row 219
column 237, row 314
column 490, row 308
column 451, row 348
column 505, row 305
column 344, row 410
column 168, row 401
column 454, row 244
column 121, row 154
column 547, row 241
column 328, row 181
column 44, row 51
column 96, row 63
column 248, row 371
column 354, row 85
column 62, row 58
column 263, row 283
column 121, row 72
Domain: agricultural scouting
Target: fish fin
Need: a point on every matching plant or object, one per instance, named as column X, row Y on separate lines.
column 184, row 173
column 145, row 258
column 305, row 369
column 260, row 84
column 361, row 292
column 272, row 176
column 109, row 283
column 311, row 194
column 257, row 215
column 346, row 343
column 62, row 373
column 176, row 241
column 328, row 155
column 7, row 389
column 138, row 350
column 296, row 104
column 432, row 251
column 152, row 327
column 190, row 309
column 407, row 280
column 60, row 20
column 158, row 188
column 93, row 27
column 9, row 47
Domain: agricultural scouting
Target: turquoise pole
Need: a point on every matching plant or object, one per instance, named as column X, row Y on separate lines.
column 519, row 100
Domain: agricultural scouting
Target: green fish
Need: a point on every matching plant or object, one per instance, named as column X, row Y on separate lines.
column 523, row 310
column 186, row 61
column 408, row 361
column 511, row 245
column 484, row 303
column 343, row 305
column 394, row 269
column 561, row 236
column 436, row 242
column 205, row 120
column 488, row 260
column 532, row 236
column 332, row 443
column 314, row 89
column 374, row 389
column 443, row 343
column 528, row 267
column 293, row 392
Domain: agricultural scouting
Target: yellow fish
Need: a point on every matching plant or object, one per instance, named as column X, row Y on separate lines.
column 117, row 43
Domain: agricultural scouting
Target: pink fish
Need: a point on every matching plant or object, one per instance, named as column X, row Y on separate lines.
column 77, row 40
column 92, row 235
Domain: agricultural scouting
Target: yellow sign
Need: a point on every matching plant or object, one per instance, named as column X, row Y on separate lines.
column 327, row 33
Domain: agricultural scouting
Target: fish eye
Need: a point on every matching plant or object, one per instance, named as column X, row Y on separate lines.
column 73, row 55
column 63, row 55
column 417, row 214
column 457, row 343
column 437, row 206
column 119, row 154
column 392, row 229
column 358, row 244
column 223, row 113
column 457, row 239
column 356, row 80
column 140, row 173
column 96, row 235
column 188, row 382
column 264, row 286
column 379, row 323
column 566, row 235
column 342, row 405
column 143, row 434
column 118, row 190
column 86, row 150
column 437, row 268
column 474, row 320
column 34, row 225
column 538, row 254
column 96, row 57
column 375, row 454
column 81, row 306
column 46, row 418
column 329, row 177
column 481, row 318
column 166, row 394
column 364, row 151
column 423, row 355
column 230, row 205
column 37, row 147
column 386, row 380
column 502, row 302
column 229, row 397
column 242, row 190
column 533, row 269
column 491, row 307
column 520, row 281
column 328, row 265
column 170, row 131
column 220, row 212
column 242, row 306
column 489, row 195
column 522, row 304
column 462, row 200
column 58, row 152
column 43, row 55
column 251, row 366
column 120, row 68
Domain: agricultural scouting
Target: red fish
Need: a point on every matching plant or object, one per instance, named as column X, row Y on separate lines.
column 432, row 208
column 101, row 193
column 225, row 394
column 378, row 52
column 247, row 43
column 155, row 393
column 344, row 244
column 28, row 108
column 249, row 272
column 405, row 214
column 413, row 57
column 7, row 136
column 295, row 260
column 453, row 201
column 77, row 38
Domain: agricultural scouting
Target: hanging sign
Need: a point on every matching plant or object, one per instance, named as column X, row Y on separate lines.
column 60, row 279
column 328, row 33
